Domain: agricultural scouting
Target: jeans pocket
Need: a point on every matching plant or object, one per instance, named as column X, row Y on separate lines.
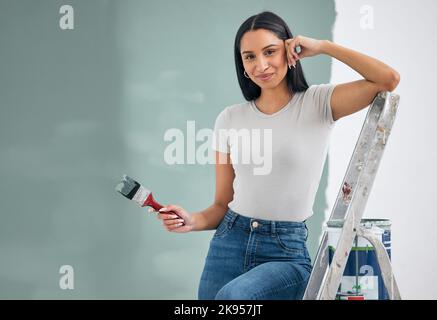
column 222, row 229
column 292, row 242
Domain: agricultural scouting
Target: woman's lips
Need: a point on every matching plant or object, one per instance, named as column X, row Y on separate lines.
column 265, row 77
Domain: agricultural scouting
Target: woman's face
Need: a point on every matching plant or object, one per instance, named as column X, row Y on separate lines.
column 263, row 53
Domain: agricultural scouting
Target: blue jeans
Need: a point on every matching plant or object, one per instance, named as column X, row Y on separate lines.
column 255, row 259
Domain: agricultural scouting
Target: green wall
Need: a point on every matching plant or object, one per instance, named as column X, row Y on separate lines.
column 81, row 107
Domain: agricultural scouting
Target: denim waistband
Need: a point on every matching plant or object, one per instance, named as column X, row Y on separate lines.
column 268, row 226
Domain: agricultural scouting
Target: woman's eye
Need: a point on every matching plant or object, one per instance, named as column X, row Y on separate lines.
column 249, row 57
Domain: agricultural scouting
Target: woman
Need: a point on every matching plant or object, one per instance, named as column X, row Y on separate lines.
column 259, row 248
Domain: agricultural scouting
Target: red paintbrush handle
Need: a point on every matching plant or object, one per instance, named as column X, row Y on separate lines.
column 155, row 205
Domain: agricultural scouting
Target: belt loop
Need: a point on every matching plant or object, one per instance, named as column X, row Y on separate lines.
column 306, row 228
column 234, row 216
column 273, row 229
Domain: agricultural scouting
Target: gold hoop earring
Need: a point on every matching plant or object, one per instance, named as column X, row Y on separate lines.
column 245, row 74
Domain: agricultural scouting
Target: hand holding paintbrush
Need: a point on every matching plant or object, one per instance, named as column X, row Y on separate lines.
column 175, row 218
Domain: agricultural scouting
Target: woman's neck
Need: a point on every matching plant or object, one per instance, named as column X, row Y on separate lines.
column 272, row 100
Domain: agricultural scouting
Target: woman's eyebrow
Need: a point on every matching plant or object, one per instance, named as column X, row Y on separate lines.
column 270, row 45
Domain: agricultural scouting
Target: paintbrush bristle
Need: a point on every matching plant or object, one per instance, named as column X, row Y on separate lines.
column 132, row 190
column 127, row 187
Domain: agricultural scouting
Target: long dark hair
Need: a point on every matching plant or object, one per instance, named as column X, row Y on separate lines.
column 266, row 20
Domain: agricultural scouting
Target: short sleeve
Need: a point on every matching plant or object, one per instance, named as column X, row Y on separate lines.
column 220, row 141
column 320, row 96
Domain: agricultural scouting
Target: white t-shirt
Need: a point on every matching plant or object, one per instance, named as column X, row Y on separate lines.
column 277, row 159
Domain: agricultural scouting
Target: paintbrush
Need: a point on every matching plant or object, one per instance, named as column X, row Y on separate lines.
column 132, row 190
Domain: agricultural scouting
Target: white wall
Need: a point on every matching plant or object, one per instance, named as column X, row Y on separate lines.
column 404, row 190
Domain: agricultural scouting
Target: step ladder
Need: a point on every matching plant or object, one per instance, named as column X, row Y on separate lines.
column 349, row 206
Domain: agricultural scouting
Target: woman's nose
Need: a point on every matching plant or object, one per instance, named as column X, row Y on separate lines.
column 262, row 64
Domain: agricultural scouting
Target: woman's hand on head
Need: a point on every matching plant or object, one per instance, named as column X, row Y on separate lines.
column 308, row 47
column 175, row 218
